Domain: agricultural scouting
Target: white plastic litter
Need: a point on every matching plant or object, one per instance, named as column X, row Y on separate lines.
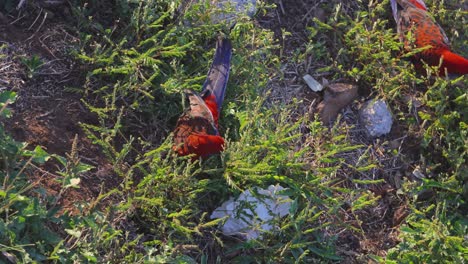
column 250, row 214
column 312, row 83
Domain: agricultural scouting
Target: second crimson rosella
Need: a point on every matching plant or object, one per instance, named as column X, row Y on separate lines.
column 196, row 131
column 412, row 16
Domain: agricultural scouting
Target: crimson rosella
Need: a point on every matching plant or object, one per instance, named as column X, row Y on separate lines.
column 196, row 131
column 412, row 16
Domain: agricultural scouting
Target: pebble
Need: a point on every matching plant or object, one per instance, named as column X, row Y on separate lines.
column 376, row 118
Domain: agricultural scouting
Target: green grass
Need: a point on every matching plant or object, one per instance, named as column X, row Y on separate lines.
column 160, row 212
column 370, row 54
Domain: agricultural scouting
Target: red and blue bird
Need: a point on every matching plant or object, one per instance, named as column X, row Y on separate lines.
column 197, row 130
column 413, row 16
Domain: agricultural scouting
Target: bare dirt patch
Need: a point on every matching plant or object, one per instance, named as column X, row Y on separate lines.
column 46, row 113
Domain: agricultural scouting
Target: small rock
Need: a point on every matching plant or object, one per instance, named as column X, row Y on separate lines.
column 376, row 118
column 251, row 214
column 336, row 97
column 312, row 83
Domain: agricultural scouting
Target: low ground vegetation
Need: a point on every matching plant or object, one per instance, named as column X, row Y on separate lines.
column 112, row 190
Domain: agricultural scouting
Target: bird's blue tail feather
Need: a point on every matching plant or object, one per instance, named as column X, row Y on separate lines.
column 394, row 5
column 218, row 75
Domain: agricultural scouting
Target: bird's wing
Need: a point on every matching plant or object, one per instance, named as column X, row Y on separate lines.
column 425, row 30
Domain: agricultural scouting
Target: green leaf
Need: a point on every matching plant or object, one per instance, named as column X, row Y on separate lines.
column 7, row 97
column 60, row 159
column 40, row 156
column 83, row 167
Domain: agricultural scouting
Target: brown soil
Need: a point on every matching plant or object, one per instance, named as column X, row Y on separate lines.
column 45, row 114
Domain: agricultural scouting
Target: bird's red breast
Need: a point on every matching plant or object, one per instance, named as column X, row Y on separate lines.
column 196, row 135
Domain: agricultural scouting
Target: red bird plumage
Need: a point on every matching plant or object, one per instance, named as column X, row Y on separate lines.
column 412, row 16
column 196, row 130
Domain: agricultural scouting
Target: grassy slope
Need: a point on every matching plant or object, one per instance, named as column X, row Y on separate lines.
column 343, row 189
